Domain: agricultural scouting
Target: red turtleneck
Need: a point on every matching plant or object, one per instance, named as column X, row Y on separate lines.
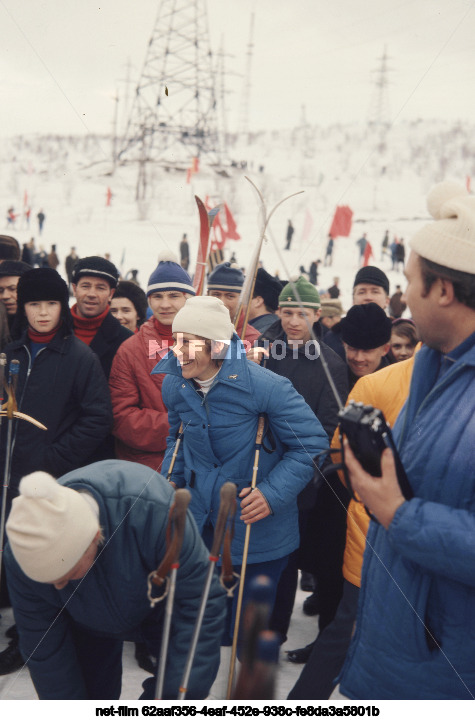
column 37, row 337
column 86, row 328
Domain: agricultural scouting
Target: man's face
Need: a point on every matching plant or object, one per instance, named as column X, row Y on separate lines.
column 423, row 309
column 93, row 296
column 8, row 296
column 166, row 304
column 296, row 322
column 84, row 564
column 330, row 321
column 364, row 362
column 367, row 293
column 229, row 298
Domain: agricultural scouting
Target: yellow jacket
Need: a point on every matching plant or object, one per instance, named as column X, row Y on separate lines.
column 387, row 390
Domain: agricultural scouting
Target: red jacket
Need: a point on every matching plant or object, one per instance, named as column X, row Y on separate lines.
column 140, row 417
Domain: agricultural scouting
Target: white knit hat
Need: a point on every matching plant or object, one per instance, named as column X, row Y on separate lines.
column 204, row 316
column 49, row 527
column 450, row 240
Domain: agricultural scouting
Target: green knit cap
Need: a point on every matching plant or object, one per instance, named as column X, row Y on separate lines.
column 307, row 293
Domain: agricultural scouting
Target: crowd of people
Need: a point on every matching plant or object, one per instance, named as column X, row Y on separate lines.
column 129, row 394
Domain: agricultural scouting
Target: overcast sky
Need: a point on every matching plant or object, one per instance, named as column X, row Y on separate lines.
column 62, row 60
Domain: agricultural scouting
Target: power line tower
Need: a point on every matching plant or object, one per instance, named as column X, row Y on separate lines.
column 246, row 93
column 379, row 111
column 380, row 120
column 174, row 116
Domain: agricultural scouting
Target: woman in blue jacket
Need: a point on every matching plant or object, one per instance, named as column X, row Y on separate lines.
column 218, row 395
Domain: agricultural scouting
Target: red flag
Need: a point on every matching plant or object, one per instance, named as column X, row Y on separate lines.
column 231, row 229
column 468, row 182
column 341, row 224
column 108, row 197
column 219, row 233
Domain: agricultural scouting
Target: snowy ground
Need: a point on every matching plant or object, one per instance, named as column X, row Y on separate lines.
column 18, row 686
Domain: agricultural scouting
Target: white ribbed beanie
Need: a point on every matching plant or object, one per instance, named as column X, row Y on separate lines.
column 450, row 240
column 49, row 528
column 204, row 316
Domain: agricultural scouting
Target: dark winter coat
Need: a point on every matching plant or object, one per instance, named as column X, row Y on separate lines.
column 107, row 340
column 333, row 340
column 111, row 600
column 65, row 389
column 219, row 443
column 415, row 628
column 306, row 373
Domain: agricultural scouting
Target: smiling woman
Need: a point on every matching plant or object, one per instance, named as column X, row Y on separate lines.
column 218, row 396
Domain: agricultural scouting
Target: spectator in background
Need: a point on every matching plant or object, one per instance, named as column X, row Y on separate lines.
column 10, row 273
column 385, row 245
column 225, row 282
column 53, row 260
column 41, row 219
column 328, row 260
column 313, row 272
column 371, row 285
column 129, row 305
column 41, row 258
column 396, row 305
column 9, row 248
column 403, row 340
column 184, row 252
column 333, row 290
column 332, row 311
column 69, row 264
column 265, row 301
column 400, row 255
column 289, row 235
column 94, row 282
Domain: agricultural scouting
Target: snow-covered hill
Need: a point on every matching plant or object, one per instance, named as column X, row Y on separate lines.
column 385, row 184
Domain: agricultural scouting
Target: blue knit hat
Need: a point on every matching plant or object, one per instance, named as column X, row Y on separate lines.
column 168, row 275
column 226, row 276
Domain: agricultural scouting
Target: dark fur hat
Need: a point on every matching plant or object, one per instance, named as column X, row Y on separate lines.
column 43, row 284
column 366, row 326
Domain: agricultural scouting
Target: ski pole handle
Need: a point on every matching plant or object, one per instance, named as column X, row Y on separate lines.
column 14, row 370
column 3, row 363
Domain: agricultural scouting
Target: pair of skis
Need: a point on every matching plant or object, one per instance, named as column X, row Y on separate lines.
column 167, row 571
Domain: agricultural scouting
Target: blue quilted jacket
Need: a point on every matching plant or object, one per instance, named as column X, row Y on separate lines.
column 111, row 600
column 219, row 444
column 415, row 632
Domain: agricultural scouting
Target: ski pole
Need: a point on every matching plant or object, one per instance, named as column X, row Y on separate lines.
column 260, row 433
column 3, row 362
column 182, row 500
column 175, row 452
column 227, row 509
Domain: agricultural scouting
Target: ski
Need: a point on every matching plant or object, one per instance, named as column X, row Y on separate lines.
column 251, row 270
column 206, row 222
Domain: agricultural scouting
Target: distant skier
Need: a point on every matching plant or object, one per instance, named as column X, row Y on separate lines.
column 41, row 219
column 184, row 252
column 361, row 243
column 289, row 234
column 328, row 260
